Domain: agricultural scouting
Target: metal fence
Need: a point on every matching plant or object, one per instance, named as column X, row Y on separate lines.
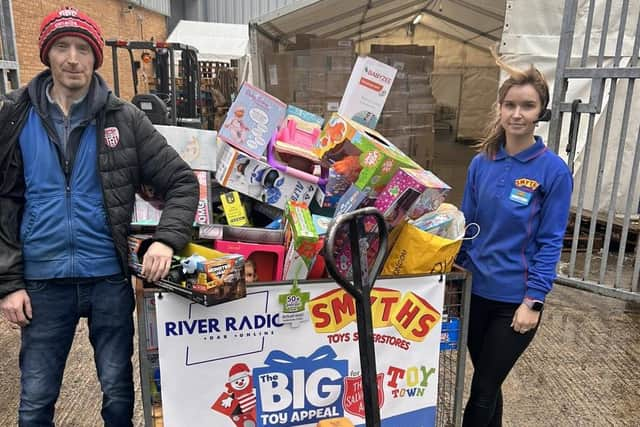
column 598, row 49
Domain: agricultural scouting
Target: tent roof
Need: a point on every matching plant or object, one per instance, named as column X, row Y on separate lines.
column 478, row 22
column 214, row 41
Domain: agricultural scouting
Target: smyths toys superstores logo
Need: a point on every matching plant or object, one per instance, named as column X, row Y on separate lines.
column 377, row 75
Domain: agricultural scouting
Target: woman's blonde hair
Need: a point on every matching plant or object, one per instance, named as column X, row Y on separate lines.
column 494, row 133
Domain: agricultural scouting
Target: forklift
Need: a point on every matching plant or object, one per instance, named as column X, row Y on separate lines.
column 164, row 104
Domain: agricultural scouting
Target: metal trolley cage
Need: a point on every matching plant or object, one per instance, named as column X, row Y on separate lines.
column 452, row 364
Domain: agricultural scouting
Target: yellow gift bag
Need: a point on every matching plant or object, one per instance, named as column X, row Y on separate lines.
column 415, row 251
column 419, row 252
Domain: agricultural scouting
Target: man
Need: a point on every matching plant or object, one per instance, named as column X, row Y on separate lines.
column 72, row 156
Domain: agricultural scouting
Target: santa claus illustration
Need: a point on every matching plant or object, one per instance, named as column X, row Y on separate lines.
column 238, row 401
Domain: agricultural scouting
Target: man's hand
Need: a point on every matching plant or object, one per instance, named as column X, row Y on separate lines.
column 525, row 319
column 16, row 307
column 157, row 261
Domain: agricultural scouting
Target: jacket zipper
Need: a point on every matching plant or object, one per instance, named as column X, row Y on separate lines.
column 67, row 179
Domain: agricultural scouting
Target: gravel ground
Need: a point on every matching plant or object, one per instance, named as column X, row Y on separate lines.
column 582, row 369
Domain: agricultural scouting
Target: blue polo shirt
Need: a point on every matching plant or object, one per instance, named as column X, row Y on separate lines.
column 521, row 204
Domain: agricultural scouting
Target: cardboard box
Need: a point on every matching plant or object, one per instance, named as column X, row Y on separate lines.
column 410, row 194
column 234, row 210
column 252, row 119
column 336, row 84
column 278, row 67
column 148, row 211
column 366, row 91
column 356, row 155
column 242, row 234
column 257, row 179
column 268, row 258
column 197, row 147
column 218, row 280
column 302, row 241
column 322, row 43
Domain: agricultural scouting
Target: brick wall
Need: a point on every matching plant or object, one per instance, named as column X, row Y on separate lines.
column 112, row 15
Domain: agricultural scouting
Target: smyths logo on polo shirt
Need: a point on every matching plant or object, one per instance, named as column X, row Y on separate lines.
column 111, row 137
column 527, row 183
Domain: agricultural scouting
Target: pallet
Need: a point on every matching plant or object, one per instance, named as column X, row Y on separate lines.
column 600, row 231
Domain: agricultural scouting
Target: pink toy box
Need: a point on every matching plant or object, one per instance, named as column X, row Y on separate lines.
column 299, row 134
column 410, row 193
column 252, row 120
column 268, row 259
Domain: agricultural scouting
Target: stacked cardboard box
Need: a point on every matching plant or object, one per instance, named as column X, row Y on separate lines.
column 408, row 117
column 312, row 75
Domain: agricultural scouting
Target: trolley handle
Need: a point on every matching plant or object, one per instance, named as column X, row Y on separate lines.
column 356, row 228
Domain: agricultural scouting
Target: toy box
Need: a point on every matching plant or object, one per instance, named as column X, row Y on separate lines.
column 204, row 214
column 299, row 134
column 321, row 223
column 197, row 147
column 147, row 209
column 366, row 91
column 356, row 155
column 243, row 234
column 268, row 259
column 138, row 245
column 411, row 193
column 301, row 240
column 252, row 119
column 234, row 210
column 256, row 179
column 218, row 278
column 351, row 200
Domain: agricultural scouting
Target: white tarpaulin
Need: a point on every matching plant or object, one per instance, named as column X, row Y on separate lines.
column 214, row 41
column 531, row 35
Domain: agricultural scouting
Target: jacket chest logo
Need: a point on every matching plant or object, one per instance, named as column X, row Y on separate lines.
column 111, row 137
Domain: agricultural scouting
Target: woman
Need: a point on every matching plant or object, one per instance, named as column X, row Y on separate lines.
column 519, row 193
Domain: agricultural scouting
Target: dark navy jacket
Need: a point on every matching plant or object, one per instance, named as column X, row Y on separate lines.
column 522, row 204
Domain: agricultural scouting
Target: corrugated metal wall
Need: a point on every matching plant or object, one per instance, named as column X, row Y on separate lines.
column 161, row 6
column 236, row 11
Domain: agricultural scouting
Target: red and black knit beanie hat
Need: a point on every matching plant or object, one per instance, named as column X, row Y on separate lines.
column 69, row 21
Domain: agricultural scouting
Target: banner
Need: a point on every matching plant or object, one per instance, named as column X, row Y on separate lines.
column 288, row 356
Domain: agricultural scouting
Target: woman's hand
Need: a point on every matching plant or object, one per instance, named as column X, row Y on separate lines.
column 525, row 319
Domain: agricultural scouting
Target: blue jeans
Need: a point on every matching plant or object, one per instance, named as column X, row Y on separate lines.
column 57, row 305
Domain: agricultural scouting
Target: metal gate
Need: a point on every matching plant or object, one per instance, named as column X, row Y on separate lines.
column 598, row 51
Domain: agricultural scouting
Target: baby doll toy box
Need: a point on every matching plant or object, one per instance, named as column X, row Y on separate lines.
column 251, row 121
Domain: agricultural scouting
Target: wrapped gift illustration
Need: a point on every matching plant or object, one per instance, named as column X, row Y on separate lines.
column 288, row 386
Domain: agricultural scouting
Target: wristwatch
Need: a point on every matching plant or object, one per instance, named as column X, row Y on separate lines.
column 533, row 304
